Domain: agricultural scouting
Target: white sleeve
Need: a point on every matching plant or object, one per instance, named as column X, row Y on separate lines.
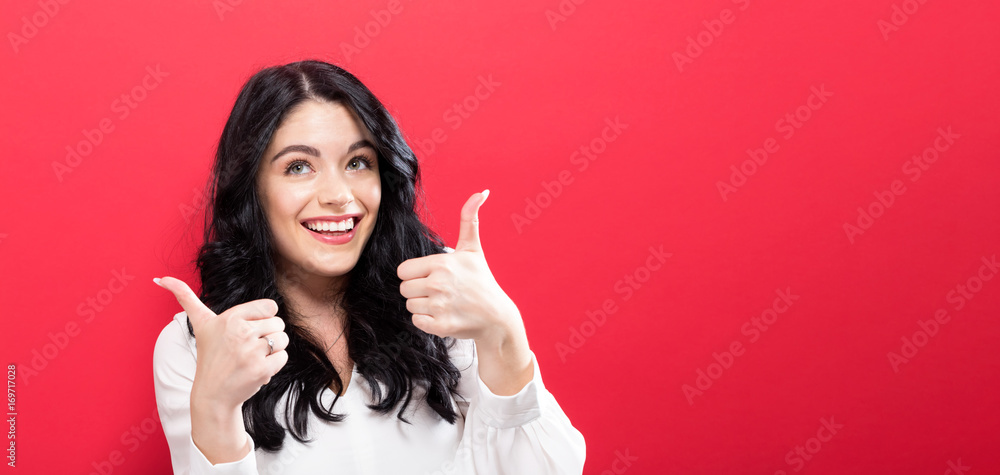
column 523, row 433
column 174, row 366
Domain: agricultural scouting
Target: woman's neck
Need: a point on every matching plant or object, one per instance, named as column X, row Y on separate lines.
column 314, row 300
column 315, row 304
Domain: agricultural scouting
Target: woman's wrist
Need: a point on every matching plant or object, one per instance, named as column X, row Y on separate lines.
column 218, row 431
column 209, row 401
column 505, row 364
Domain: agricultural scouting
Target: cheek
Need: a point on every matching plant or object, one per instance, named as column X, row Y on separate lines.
column 371, row 196
column 282, row 207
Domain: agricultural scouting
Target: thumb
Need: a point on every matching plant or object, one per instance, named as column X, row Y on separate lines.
column 468, row 233
column 196, row 311
column 426, row 324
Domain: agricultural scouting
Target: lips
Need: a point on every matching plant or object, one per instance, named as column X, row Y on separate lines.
column 333, row 229
column 332, row 222
column 325, row 226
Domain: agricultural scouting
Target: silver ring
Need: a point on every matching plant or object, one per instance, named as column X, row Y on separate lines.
column 270, row 346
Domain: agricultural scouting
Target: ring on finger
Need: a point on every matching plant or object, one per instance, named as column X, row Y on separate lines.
column 270, row 346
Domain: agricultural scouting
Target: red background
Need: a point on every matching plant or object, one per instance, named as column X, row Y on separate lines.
column 122, row 206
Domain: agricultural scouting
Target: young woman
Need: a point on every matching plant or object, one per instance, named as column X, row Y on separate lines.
column 334, row 331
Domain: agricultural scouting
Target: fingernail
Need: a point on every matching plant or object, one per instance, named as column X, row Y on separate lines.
column 156, row 280
column 486, row 194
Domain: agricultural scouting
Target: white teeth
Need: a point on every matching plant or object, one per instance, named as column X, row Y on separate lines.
column 345, row 225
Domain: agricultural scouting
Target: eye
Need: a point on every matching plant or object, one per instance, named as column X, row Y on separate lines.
column 296, row 167
column 359, row 162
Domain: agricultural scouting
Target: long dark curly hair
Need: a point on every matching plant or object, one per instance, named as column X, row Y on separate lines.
column 237, row 265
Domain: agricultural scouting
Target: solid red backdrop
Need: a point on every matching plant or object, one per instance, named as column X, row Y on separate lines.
column 746, row 237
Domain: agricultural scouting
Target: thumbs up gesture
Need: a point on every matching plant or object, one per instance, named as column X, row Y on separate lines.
column 455, row 294
column 234, row 356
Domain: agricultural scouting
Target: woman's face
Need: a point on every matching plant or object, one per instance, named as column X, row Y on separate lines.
column 320, row 171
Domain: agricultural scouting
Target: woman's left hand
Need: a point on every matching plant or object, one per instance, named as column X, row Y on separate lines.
column 455, row 294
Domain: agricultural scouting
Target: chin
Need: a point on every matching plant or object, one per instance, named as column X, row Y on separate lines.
column 336, row 268
column 337, row 272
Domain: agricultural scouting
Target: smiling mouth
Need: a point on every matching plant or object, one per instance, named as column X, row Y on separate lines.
column 332, row 228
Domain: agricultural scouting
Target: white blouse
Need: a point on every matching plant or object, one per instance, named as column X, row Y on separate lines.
column 525, row 434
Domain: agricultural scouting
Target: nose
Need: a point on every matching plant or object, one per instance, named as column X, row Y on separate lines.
column 334, row 190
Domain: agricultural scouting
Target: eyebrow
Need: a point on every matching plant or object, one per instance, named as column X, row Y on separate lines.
column 306, row 149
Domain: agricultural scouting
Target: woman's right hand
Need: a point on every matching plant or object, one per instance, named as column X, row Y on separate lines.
column 234, row 361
